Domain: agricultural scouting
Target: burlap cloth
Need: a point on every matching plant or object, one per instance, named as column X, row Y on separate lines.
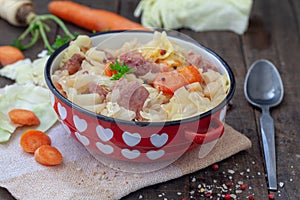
column 81, row 176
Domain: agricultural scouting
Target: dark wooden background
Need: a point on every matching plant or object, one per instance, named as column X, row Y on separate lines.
column 274, row 34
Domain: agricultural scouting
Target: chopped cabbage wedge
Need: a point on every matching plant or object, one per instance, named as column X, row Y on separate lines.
column 198, row 15
column 26, row 96
column 25, row 71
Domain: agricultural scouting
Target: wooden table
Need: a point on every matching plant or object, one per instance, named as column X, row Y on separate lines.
column 274, row 34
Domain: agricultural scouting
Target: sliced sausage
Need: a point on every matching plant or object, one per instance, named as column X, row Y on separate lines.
column 95, row 88
column 135, row 61
column 133, row 96
column 198, row 61
column 194, row 59
column 73, row 65
column 145, row 69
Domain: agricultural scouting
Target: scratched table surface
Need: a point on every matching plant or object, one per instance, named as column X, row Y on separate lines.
column 273, row 34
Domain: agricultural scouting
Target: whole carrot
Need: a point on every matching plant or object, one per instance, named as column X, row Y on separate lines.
column 92, row 19
column 9, row 55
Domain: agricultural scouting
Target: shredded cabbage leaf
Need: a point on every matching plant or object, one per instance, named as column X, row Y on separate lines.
column 26, row 71
column 25, row 96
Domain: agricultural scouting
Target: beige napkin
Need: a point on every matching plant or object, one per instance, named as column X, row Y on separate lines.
column 81, row 176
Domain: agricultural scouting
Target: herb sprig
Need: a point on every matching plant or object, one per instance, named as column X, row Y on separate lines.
column 38, row 28
column 121, row 70
column 60, row 41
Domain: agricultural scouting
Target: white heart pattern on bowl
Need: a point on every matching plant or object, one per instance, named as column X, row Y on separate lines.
column 84, row 140
column 105, row 134
column 80, row 124
column 153, row 155
column 130, row 154
column 131, row 139
column 105, row 148
column 159, row 140
column 62, row 111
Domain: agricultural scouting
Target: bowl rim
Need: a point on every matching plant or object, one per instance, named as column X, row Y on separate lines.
column 47, row 74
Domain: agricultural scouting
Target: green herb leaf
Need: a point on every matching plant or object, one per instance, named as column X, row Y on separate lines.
column 18, row 44
column 37, row 28
column 60, row 41
column 122, row 70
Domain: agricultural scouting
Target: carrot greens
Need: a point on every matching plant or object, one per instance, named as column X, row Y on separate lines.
column 61, row 40
column 38, row 28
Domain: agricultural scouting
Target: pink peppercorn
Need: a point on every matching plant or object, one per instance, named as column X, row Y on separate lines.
column 227, row 197
column 163, row 52
column 208, row 194
column 228, row 184
column 215, row 167
column 251, row 197
column 271, row 196
column 243, row 187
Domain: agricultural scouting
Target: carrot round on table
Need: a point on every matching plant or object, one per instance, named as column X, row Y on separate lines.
column 48, row 155
column 92, row 19
column 32, row 139
column 23, row 117
column 10, row 55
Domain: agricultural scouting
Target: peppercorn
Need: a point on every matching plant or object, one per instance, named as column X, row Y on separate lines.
column 271, row 196
column 228, row 184
column 215, row 167
column 208, row 194
column 243, row 187
column 227, row 197
column 163, row 52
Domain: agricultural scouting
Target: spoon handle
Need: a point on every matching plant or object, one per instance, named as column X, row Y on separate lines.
column 268, row 139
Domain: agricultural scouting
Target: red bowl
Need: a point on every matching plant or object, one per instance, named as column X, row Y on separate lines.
column 139, row 141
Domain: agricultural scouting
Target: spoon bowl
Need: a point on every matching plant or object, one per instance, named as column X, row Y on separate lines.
column 263, row 85
column 263, row 88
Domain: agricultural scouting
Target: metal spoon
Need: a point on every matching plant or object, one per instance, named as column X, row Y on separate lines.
column 263, row 88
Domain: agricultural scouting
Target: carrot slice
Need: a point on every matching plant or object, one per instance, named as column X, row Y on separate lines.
column 9, row 55
column 32, row 139
column 190, row 73
column 169, row 82
column 48, row 155
column 108, row 71
column 23, row 117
